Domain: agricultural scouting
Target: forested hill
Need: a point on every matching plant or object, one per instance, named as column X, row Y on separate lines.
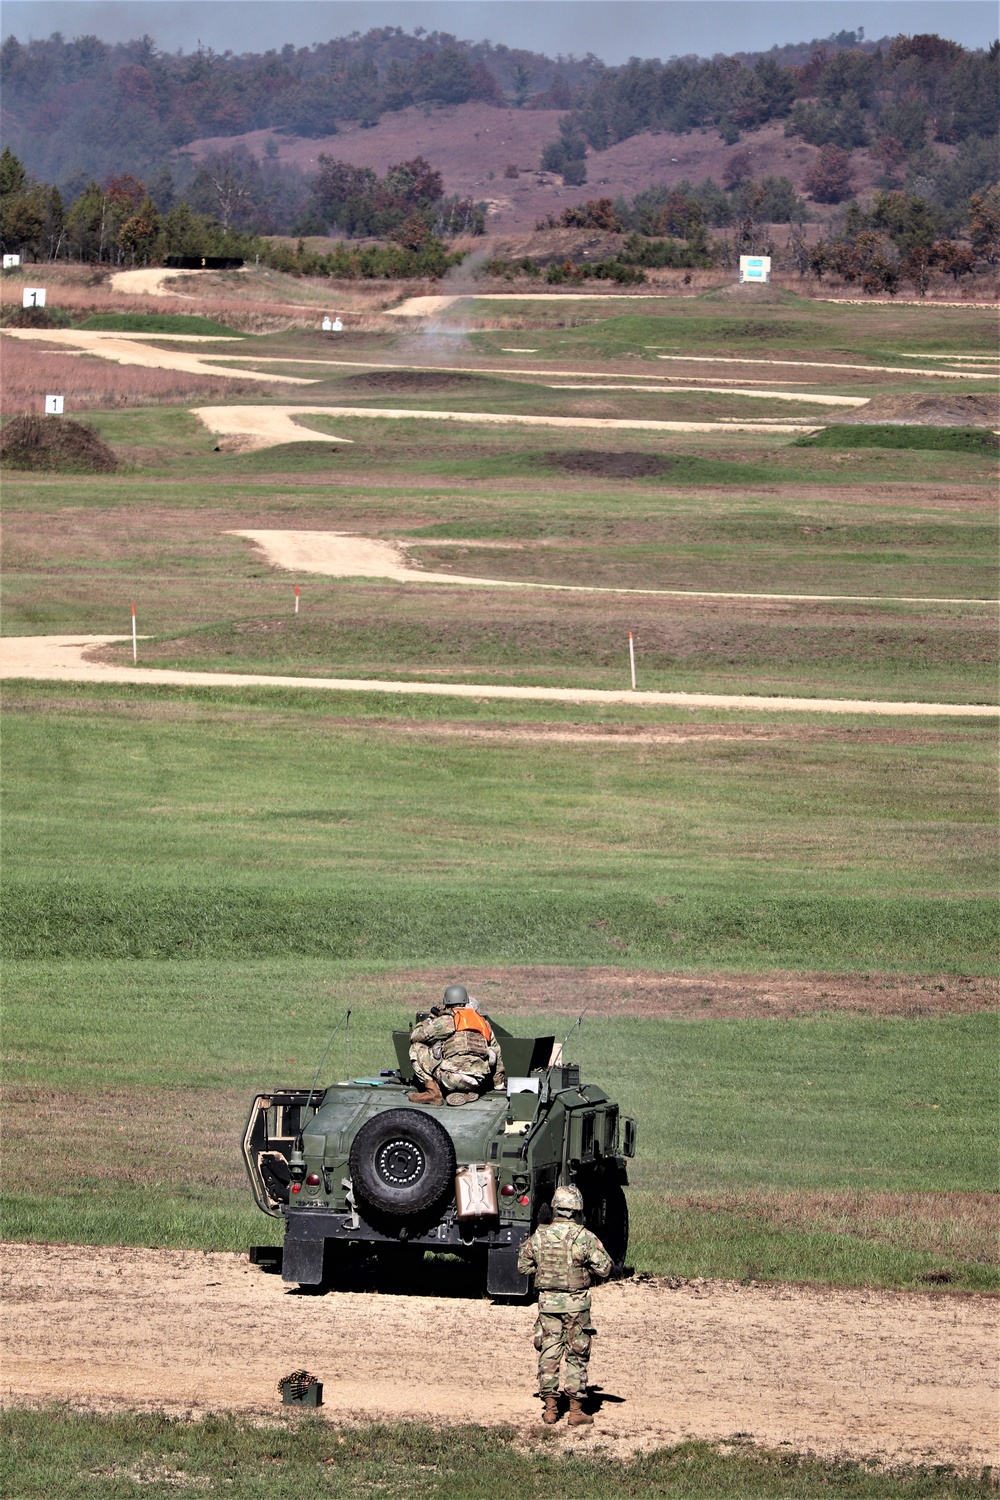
column 81, row 109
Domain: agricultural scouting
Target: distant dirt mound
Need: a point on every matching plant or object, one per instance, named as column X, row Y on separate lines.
column 910, row 409
column 36, row 317
column 607, row 465
column 747, row 292
column 411, row 380
column 54, row 443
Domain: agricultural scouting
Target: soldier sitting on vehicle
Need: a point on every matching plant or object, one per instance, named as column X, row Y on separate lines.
column 563, row 1257
column 454, row 1053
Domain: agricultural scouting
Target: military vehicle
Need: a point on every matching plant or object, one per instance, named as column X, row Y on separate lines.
column 359, row 1164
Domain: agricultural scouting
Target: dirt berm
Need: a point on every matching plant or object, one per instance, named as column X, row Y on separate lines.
column 909, row 409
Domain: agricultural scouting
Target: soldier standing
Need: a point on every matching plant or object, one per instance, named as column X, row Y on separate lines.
column 563, row 1257
column 454, row 1052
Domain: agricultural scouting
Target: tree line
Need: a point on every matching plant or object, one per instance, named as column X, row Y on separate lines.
column 898, row 238
column 84, row 109
column 901, row 101
column 118, row 222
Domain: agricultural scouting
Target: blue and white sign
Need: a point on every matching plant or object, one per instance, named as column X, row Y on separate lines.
column 755, row 268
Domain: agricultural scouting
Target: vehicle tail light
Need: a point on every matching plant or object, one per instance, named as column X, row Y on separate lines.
column 312, row 1180
column 524, row 1200
column 506, row 1191
column 296, row 1187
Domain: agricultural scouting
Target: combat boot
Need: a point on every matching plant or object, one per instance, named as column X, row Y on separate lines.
column 550, row 1411
column 431, row 1094
column 577, row 1416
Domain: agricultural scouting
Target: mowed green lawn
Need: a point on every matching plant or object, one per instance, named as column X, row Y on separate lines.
column 148, row 822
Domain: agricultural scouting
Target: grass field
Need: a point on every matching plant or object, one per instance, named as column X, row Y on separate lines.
column 197, row 881
column 74, row 1455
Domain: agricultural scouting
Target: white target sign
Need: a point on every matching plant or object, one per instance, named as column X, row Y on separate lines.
column 54, row 406
column 755, row 268
column 33, row 296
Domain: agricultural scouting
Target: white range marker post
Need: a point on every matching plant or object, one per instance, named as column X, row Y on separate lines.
column 135, row 651
column 296, row 598
column 631, row 657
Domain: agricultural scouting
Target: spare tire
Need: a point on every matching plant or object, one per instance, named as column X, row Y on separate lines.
column 402, row 1162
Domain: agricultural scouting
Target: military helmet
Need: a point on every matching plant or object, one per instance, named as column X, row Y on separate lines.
column 456, row 994
column 569, row 1199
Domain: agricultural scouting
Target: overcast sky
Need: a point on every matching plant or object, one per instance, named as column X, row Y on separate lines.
column 613, row 30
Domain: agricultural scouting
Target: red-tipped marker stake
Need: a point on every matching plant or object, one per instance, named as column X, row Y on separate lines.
column 296, row 598
column 135, row 652
column 631, row 657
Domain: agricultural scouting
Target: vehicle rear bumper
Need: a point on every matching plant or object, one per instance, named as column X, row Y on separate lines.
column 308, row 1230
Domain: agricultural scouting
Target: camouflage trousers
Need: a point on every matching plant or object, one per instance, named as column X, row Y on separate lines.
column 559, row 1337
column 465, row 1074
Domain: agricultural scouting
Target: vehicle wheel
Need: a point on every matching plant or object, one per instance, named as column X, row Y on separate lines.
column 609, row 1221
column 402, row 1162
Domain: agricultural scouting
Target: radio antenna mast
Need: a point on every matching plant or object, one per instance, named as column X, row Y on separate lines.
column 346, row 1017
column 576, row 1024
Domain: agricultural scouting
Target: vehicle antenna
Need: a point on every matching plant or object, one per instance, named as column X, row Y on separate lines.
column 577, row 1023
column 312, row 1089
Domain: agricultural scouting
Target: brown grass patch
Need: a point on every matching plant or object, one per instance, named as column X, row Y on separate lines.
column 31, row 373
column 956, row 1226
column 541, row 990
column 177, row 1137
column 607, row 465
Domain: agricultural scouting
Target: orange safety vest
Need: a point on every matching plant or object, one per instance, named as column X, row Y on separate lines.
column 467, row 1019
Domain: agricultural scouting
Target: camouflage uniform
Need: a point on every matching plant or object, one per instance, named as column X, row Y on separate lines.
column 563, row 1256
column 459, row 1061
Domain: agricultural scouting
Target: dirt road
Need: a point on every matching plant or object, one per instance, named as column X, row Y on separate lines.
column 66, row 658
column 129, row 349
column 342, row 554
column 151, row 282
column 264, row 427
column 820, row 364
column 905, row 1377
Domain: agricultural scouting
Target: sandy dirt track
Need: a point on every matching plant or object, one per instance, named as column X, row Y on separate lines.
column 821, row 364
column 64, row 658
column 151, row 282
column 342, row 554
column 270, row 430
column 724, row 390
column 905, row 1377
column 128, row 349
